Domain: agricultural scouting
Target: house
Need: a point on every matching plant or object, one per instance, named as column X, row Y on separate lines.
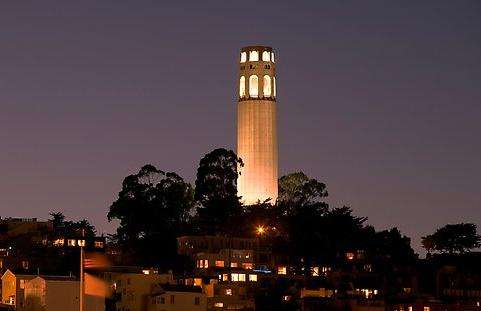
column 132, row 287
column 169, row 297
column 58, row 293
column 13, row 288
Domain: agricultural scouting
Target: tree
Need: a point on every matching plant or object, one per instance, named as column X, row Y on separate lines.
column 453, row 238
column 216, row 190
column 298, row 191
column 57, row 219
column 153, row 207
column 71, row 228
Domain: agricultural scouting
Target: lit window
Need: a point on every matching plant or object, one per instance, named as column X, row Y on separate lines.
column 242, row 86
column 233, row 264
column 253, row 277
column 350, row 256
column 219, row 304
column 219, row 263
column 315, row 271
column 99, row 244
column 146, row 272
column 59, row 242
column 228, row 292
column 282, row 270
column 71, row 242
column 243, row 57
column 274, row 85
column 234, row 277
column 253, row 86
column 253, row 56
column 22, row 284
column 267, row 86
column 427, row 308
column 242, row 277
column 265, row 56
column 247, row 265
column 410, row 308
column 225, row 277
column 81, row 243
column 203, row 263
column 272, row 57
column 197, row 282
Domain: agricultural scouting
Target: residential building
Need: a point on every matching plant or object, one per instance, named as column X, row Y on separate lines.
column 169, row 297
column 58, row 293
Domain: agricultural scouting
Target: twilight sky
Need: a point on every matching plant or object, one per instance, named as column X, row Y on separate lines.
column 379, row 99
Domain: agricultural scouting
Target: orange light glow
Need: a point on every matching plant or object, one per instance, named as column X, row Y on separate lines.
column 260, row 230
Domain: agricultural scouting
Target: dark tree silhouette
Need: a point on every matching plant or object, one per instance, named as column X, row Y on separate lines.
column 154, row 208
column 298, row 191
column 216, row 190
column 453, row 238
column 61, row 226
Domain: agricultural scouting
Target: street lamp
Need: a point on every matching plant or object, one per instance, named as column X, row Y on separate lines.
column 260, row 230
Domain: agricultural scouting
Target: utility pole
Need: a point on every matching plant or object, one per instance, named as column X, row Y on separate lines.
column 81, row 299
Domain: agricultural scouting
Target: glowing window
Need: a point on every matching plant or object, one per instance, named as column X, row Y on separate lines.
column 315, row 271
column 81, row 243
column 242, row 277
column 266, row 56
column 233, row 264
column 225, row 277
column 274, row 85
column 242, row 86
column 272, row 57
column 282, row 270
column 253, row 86
column 253, row 56
column 219, row 263
column 71, row 242
column 234, row 277
column 99, row 244
column 58, row 242
column 267, row 86
column 253, row 277
column 228, row 292
column 247, row 265
column 427, row 309
column 203, row 263
column 219, row 304
column 243, row 57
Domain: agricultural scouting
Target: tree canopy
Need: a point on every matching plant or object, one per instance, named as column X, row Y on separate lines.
column 216, row 190
column 153, row 208
column 453, row 238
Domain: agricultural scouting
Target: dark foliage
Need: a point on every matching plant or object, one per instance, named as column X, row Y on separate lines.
column 216, row 191
column 453, row 238
column 154, row 208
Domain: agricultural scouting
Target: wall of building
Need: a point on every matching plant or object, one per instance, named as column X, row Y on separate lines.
column 178, row 301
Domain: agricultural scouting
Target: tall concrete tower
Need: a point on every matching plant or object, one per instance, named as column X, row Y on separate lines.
column 256, row 125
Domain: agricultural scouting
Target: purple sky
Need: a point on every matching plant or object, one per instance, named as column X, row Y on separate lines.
column 379, row 99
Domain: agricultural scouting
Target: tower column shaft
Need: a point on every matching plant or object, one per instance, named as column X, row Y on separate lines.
column 257, row 126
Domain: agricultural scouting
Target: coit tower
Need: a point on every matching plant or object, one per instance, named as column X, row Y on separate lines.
column 256, row 125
